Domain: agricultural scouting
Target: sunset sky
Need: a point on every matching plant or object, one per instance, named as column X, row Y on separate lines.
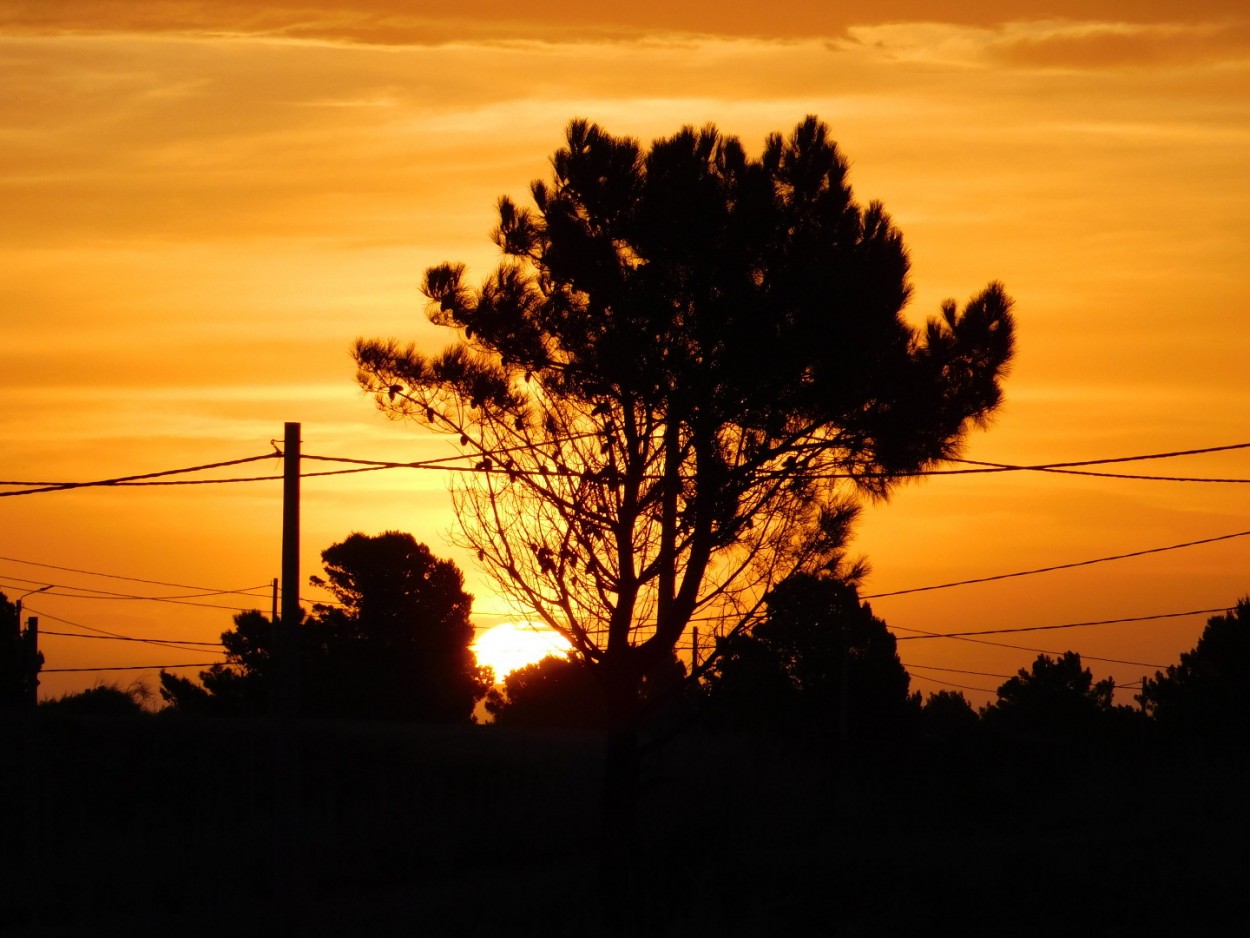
column 203, row 205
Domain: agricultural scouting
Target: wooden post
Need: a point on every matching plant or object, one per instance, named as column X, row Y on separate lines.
column 288, row 638
column 288, row 873
column 32, row 662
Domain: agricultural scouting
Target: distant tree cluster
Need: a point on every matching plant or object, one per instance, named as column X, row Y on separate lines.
column 102, row 700
column 394, row 645
column 1056, row 699
column 1204, row 698
column 11, row 669
column 554, row 692
column 1207, row 695
column 820, row 663
column 17, row 668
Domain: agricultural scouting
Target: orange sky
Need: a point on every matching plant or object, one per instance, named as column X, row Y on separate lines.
column 204, row 203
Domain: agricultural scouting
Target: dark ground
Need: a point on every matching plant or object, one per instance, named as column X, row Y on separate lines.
column 174, row 827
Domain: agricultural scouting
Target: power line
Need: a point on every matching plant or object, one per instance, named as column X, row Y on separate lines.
column 933, row 667
column 121, row 480
column 1117, row 459
column 173, row 642
column 118, row 576
column 92, row 593
column 935, row 680
column 443, row 463
column 161, row 643
column 986, row 690
column 131, row 667
column 982, row 467
column 1062, row 566
column 1066, row 625
column 1083, row 472
column 1042, row 651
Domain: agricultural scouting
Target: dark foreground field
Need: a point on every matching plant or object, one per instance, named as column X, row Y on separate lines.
column 173, row 828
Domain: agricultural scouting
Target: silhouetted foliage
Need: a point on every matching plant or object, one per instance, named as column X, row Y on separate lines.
column 1207, row 695
column 820, row 660
column 681, row 353
column 103, row 700
column 11, row 657
column 1055, row 699
column 183, row 695
column 15, row 659
column 947, row 715
column 396, row 646
column 555, row 692
column 243, row 686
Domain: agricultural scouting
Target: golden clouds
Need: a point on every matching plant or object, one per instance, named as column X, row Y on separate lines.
column 206, row 202
column 404, row 22
column 1120, row 45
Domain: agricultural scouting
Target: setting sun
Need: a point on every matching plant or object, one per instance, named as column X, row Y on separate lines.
column 512, row 645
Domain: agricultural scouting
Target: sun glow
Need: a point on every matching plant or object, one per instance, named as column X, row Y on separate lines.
column 513, row 645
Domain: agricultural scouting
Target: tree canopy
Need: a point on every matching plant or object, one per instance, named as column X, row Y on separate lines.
column 12, row 657
column 555, row 692
column 1207, row 694
column 102, row 700
column 1056, row 698
column 685, row 358
column 686, row 364
column 395, row 644
column 16, row 660
column 820, row 660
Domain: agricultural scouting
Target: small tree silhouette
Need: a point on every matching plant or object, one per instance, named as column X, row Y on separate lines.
column 1056, row 698
column 556, row 692
column 395, row 645
column 947, row 715
column 1207, row 695
column 820, row 660
column 102, row 700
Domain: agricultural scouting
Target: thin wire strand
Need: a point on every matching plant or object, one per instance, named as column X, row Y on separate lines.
column 1041, row 651
column 1061, row 566
column 1118, row 459
column 933, row 667
column 78, row 625
column 120, row 480
column 365, row 465
column 173, row 642
column 936, row 680
column 132, row 667
column 118, row 576
column 1066, row 625
column 92, row 593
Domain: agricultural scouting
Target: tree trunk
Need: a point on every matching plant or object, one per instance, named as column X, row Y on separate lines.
column 620, row 798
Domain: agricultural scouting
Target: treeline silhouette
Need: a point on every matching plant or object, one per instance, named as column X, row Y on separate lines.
column 798, row 785
column 821, row 666
column 395, row 645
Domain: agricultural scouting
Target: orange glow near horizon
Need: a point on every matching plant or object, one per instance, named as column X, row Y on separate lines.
column 509, row 646
column 205, row 204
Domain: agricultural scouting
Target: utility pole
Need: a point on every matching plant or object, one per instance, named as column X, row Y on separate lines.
column 288, row 641
column 28, row 650
column 274, row 625
column 17, row 603
column 288, row 878
column 32, row 662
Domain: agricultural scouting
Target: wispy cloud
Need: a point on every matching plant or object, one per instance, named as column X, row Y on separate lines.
column 402, row 22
